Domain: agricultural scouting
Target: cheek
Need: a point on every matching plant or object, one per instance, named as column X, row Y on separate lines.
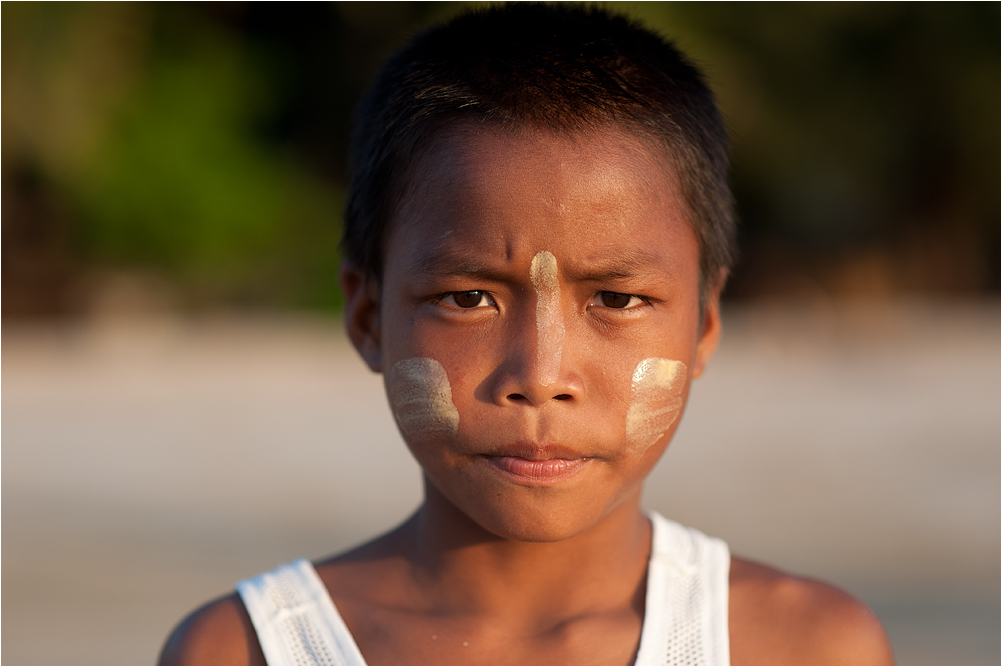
column 655, row 401
column 421, row 399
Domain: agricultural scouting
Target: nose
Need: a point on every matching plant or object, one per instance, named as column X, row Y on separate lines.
column 533, row 373
column 522, row 386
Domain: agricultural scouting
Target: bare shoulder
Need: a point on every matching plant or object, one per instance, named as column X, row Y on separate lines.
column 219, row 633
column 777, row 619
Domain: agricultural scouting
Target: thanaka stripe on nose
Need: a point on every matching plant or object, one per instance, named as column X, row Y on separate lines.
column 549, row 321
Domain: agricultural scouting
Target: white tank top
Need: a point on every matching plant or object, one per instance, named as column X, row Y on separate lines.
column 685, row 619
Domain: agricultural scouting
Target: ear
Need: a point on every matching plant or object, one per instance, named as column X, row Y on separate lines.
column 709, row 334
column 361, row 313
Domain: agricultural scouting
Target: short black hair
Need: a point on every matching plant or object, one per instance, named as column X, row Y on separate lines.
column 552, row 67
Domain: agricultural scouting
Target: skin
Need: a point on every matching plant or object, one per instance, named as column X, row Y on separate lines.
column 497, row 568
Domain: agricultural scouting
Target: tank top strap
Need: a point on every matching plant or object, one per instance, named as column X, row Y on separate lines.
column 296, row 620
column 685, row 620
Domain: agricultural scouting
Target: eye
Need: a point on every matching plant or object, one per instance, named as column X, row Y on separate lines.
column 616, row 300
column 467, row 300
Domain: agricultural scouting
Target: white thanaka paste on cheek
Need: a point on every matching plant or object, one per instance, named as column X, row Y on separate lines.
column 655, row 402
column 421, row 398
column 549, row 321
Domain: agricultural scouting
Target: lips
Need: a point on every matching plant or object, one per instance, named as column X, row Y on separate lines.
column 532, row 465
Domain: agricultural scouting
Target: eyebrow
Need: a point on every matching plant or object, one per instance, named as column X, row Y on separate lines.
column 453, row 263
column 634, row 264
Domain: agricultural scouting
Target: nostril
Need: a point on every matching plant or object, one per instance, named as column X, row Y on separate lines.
column 517, row 398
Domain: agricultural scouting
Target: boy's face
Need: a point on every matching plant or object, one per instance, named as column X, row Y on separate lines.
column 538, row 323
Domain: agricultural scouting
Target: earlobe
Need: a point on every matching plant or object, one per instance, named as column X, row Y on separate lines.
column 710, row 331
column 361, row 313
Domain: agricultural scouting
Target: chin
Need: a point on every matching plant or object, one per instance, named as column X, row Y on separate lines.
column 526, row 513
column 535, row 517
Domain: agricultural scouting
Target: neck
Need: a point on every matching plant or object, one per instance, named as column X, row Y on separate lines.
column 462, row 566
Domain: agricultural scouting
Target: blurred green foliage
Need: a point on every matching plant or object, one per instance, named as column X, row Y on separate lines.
column 183, row 184
column 866, row 139
column 205, row 143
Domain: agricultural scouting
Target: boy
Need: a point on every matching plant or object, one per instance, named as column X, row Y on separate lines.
column 538, row 230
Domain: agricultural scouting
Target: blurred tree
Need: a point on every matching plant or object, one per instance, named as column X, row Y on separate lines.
column 865, row 140
column 206, row 143
column 65, row 67
column 165, row 169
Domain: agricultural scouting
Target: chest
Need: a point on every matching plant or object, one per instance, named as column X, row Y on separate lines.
column 681, row 618
column 394, row 637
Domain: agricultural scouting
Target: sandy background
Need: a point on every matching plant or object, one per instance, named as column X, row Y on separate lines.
column 149, row 463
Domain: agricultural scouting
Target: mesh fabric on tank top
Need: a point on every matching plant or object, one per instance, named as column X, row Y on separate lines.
column 685, row 619
column 296, row 620
column 299, row 632
column 685, row 603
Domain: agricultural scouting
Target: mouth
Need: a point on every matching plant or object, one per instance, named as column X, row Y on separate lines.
column 538, row 466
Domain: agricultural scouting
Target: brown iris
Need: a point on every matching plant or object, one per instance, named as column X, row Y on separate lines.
column 615, row 299
column 470, row 299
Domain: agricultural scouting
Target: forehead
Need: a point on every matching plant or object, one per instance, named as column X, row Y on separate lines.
column 583, row 194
